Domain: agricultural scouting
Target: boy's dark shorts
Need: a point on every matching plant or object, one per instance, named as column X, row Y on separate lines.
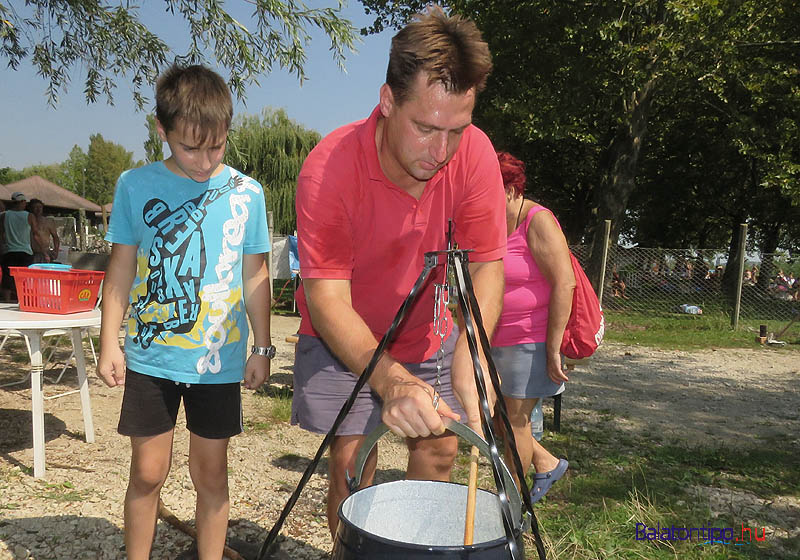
column 150, row 407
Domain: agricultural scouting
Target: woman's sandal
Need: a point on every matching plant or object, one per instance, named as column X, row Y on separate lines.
column 543, row 481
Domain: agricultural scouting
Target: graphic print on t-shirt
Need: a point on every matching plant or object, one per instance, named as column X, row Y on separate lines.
column 176, row 265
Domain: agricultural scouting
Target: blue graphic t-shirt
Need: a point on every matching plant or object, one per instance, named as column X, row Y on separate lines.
column 187, row 316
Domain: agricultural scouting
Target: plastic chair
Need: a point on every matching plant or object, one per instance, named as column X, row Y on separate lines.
column 51, row 347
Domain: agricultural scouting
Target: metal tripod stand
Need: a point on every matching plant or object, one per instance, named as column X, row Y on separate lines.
column 458, row 261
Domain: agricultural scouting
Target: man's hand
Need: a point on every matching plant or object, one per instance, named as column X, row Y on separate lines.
column 111, row 365
column 408, row 410
column 256, row 371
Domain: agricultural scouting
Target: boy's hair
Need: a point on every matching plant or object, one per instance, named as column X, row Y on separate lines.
column 195, row 97
column 449, row 49
column 33, row 201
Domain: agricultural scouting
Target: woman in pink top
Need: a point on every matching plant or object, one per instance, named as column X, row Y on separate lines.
column 536, row 305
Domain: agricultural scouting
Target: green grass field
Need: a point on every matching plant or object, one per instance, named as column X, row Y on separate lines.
column 691, row 332
column 616, row 481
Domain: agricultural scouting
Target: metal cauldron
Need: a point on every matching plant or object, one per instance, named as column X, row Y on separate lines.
column 418, row 519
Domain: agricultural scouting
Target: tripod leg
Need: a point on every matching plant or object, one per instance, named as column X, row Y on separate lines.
column 486, row 415
column 469, row 292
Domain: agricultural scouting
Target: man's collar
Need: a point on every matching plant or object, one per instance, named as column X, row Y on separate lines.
column 367, row 139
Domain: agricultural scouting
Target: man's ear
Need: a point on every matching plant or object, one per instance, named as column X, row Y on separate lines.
column 386, row 100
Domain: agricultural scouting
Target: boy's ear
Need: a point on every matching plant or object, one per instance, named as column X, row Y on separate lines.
column 162, row 133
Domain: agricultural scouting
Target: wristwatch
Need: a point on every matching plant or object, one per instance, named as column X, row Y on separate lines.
column 268, row 351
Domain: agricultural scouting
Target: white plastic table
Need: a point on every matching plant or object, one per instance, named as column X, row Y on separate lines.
column 33, row 325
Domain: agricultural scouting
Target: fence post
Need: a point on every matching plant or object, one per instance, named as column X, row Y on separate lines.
column 602, row 281
column 740, row 280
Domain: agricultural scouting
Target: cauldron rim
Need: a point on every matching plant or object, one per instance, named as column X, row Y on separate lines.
column 421, row 547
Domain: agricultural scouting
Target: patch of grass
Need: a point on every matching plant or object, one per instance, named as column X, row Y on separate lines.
column 691, row 332
column 20, row 357
column 62, row 492
column 275, row 408
column 617, row 480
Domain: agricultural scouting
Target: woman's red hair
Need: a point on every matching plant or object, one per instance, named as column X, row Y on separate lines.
column 513, row 171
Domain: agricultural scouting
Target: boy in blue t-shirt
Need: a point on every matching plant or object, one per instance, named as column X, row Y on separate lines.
column 189, row 240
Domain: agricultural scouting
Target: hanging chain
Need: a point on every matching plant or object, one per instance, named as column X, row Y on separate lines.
column 440, row 320
column 440, row 324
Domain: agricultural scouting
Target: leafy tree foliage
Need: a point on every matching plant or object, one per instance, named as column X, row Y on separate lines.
column 153, row 146
column 105, row 160
column 110, row 41
column 92, row 174
column 74, row 169
column 52, row 172
column 9, row 175
column 578, row 87
column 271, row 148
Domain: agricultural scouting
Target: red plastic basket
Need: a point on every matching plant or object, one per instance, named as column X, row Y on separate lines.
column 56, row 291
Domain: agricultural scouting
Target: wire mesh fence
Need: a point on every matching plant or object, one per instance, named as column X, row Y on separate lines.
column 696, row 281
column 769, row 289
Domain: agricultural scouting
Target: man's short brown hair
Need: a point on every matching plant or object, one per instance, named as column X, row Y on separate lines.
column 449, row 49
column 196, row 97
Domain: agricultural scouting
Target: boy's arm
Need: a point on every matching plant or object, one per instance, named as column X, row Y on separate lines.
column 116, row 292
column 257, row 295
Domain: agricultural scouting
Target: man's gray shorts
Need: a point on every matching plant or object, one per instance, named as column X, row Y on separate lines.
column 322, row 385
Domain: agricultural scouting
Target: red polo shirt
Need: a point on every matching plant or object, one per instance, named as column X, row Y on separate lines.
column 354, row 224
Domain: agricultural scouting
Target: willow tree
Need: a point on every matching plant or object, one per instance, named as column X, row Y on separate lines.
column 271, row 148
column 106, row 43
column 153, row 146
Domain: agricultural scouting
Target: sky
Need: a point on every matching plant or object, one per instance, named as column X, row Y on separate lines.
column 34, row 132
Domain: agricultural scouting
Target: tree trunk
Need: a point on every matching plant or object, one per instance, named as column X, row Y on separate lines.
column 769, row 244
column 612, row 197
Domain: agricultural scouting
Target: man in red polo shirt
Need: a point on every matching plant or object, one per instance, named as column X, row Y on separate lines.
column 372, row 198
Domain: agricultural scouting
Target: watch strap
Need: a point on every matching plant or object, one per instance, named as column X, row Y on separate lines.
column 268, row 351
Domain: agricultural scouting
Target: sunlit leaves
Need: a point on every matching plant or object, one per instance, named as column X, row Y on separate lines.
column 108, row 41
column 271, row 148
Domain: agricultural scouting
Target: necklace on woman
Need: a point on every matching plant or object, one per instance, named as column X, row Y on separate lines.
column 521, row 204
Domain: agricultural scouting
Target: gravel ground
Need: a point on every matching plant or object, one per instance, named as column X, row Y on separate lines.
column 75, row 512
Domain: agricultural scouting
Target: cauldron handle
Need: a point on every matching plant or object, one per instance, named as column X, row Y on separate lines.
column 459, row 429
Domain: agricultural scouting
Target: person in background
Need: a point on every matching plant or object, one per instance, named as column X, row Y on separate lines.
column 617, row 285
column 44, row 235
column 16, row 224
column 372, row 198
column 189, row 239
column 539, row 283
